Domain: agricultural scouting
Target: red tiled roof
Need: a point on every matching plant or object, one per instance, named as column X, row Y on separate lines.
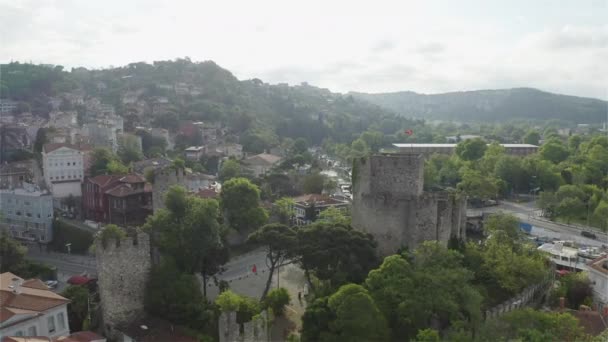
column 35, row 284
column 133, row 178
column 207, row 193
column 30, row 296
column 104, row 180
column 597, row 264
column 317, row 199
column 121, row 190
column 54, row 146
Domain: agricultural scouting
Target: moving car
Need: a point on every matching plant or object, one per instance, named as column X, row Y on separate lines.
column 588, row 234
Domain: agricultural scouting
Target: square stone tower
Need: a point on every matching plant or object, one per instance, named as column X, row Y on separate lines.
column 389, row 203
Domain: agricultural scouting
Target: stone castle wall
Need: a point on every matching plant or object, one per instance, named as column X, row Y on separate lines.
column 122, row 271
column 163, row 180
column 390, row 204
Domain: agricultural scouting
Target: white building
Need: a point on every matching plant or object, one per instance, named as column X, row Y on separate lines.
column 194, row 152
column 63, row 167
column 261, row 163
column 29, row 308
column 563, row 256
column 598, row 274
column 27, row 213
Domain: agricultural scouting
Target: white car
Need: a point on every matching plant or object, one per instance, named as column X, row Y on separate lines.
column 51, row 284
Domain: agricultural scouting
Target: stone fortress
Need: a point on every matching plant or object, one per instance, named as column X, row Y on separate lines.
column 389, row 202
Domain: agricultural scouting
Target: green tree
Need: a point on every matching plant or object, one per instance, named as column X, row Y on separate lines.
column 101, row 157
column 78, row 308
column 359, row 149
column 427, row 335
column 300, row 146
column 477, row 186
column 280, row 244
column 434, row 290
column 570, row 208
column 188, row 231
column 333, row 215
column 532, row 325
column 229, row 169
column 601, row 214
column 335, row 253
column 240, row 201
column 532, row 137
column 283, row 210
column 245, row 307
column 313, row 183
column 276, row 300
column 471, row 149
column 176, row 296
column 129, row 150
column 357, row 316
column 115, row 167
column 111, row 232
column 12, row 253
column 554, row 151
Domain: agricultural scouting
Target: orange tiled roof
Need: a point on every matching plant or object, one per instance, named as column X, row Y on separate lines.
column 30, row 297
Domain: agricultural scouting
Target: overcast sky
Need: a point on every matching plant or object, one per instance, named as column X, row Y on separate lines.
column 372, row 46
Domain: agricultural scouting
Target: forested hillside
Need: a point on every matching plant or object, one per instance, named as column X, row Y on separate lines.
column 492, row 105
column 259, row 113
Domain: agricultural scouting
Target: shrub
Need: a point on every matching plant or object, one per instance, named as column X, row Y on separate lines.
column 276, row 300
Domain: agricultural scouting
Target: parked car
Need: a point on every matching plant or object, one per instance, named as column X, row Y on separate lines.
column 588, row 234
column 51, row 284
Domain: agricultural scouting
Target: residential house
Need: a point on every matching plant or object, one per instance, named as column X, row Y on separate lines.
column 308, row 207
column 130, row 202
column 230, row 150
column 64, row 168
column 27, row 213
column 119, row 199
column 29, row 308
column 261, row 163
column 194, row 152
column 13, row 175
column 598, row 274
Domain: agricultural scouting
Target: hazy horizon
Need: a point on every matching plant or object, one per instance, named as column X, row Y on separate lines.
column 383, row 46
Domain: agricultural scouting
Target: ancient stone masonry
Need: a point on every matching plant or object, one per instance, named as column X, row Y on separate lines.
column 123, row 268
column 163, row 179
column 389, row 203
column 255, row 330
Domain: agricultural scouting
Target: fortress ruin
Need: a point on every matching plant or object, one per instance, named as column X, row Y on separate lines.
column 389, row 202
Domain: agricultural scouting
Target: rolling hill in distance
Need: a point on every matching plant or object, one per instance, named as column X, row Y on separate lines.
column 491, row 105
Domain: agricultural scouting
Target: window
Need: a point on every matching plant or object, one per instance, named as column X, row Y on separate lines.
column 31, row 331
column 19, row 333
column 61, row 320
column 51, row 324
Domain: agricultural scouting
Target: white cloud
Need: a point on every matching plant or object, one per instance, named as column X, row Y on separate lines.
column 343, row 45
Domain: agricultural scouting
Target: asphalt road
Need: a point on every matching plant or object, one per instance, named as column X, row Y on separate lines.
column 67, row 265
column 525, row 212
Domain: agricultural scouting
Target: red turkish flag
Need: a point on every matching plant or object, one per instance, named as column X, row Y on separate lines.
column 409, row 132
